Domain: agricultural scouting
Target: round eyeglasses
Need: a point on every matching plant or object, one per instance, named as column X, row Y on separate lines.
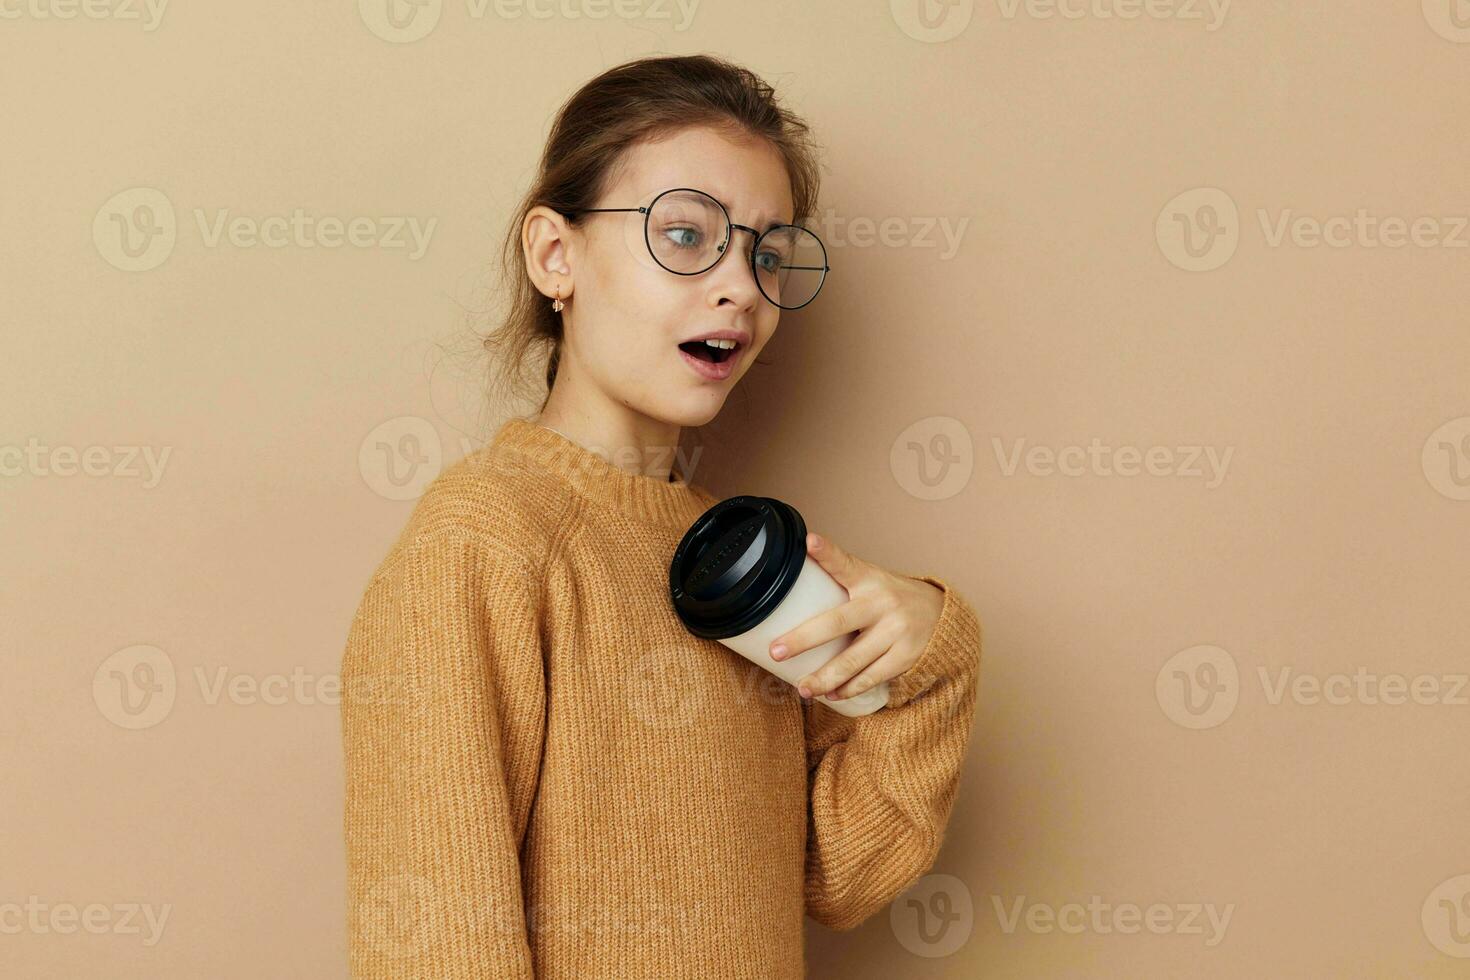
column 687, row 231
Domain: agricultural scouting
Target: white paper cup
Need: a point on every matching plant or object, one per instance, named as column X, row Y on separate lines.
column 741, row 575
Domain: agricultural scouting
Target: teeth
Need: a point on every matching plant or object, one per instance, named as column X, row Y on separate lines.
column 721, row 344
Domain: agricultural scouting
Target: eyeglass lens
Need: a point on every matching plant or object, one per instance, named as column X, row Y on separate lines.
column 687, row 228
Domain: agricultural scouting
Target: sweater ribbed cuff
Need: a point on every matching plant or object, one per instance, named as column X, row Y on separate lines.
column 951, row 656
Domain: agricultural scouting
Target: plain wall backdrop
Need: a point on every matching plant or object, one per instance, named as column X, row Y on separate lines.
column 1146, row 328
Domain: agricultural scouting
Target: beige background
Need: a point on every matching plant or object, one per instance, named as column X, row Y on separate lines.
column 1070, row 308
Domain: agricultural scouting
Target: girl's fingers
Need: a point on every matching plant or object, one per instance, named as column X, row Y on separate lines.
column 871, row 676
column 855, row 659
column 835, row 561
column 854, row 614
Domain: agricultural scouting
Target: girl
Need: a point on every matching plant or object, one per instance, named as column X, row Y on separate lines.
column 547, row 774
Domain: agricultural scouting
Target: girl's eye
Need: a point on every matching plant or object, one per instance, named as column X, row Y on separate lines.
column 683, row 237
column 768, row 261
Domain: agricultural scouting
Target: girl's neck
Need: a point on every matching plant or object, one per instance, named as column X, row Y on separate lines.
column 643, row 453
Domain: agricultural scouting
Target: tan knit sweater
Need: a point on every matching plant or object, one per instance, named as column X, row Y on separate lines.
column 548, row 776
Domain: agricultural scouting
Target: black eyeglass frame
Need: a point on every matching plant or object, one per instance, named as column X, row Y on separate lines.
column 730, row 226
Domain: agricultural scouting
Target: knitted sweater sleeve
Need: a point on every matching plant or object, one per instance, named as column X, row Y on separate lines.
column 442, row 721
column 882, row 785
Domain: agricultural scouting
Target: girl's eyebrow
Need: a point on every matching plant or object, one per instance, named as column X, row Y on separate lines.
column 769, row 225
column 720, row 196
column 774, row 224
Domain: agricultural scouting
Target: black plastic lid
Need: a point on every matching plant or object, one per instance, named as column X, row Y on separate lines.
column 735, row 564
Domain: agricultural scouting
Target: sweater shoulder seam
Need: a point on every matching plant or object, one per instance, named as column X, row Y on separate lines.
column 534, row 565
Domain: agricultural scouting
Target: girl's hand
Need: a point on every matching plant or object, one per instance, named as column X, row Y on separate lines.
column 896, row 615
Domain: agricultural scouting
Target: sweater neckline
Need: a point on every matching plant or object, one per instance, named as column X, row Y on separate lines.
column 671, row 503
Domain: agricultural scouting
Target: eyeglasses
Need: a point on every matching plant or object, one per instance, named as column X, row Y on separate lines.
column 688, row 231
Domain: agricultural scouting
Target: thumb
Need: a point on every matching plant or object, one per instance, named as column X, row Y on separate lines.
column 836, row 562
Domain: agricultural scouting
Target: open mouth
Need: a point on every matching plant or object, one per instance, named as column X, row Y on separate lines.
column 708, row 352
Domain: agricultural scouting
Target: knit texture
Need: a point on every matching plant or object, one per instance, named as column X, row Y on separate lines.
column 548, row 776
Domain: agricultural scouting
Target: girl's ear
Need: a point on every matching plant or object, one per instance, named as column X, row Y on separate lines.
column 545, row 236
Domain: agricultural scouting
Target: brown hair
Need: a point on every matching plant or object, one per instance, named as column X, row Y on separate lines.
column 633, row 102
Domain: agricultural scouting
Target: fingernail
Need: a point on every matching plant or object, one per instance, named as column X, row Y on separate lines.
column 778, row 651
column 805, row 691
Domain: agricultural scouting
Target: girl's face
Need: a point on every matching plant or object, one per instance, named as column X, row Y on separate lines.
column 628, row 315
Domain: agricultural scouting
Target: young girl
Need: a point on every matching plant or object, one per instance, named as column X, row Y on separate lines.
column 547, row 774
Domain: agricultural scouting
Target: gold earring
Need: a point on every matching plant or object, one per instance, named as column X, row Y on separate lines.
column 557, row 305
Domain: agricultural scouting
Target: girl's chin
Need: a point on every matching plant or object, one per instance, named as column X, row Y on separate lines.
column 692, row 410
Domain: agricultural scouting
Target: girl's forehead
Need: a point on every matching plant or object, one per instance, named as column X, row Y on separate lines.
column 745, row 206
column 747, row 177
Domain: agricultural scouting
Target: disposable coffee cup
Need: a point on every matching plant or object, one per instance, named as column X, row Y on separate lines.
column 741, row 575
